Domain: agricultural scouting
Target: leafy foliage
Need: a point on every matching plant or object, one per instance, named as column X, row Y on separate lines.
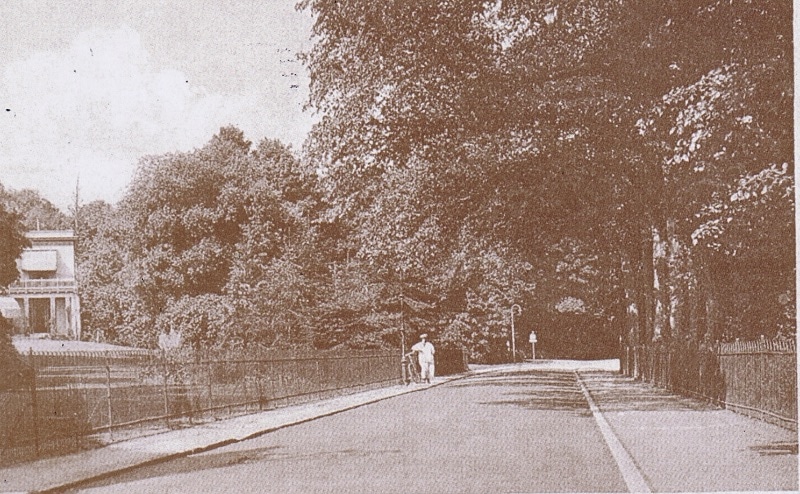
column 615, row 168
column 613, row 126
column 202, row 244
column 14, row 374
column 12, row 242
column 36, row 212
column 105, row 268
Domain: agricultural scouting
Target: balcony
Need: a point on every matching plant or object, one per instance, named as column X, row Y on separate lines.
column 43, row 286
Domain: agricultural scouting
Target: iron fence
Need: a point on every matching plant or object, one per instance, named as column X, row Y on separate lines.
column 756, row 378
column 70, row 397
column 761, row 379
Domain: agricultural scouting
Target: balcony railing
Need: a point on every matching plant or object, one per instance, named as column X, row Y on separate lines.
column 41, row 286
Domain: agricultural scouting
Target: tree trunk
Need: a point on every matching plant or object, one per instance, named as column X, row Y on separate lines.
column 706, row 300
column 680, row 284
column 646, row 277
column 631, row 322
column 662, row 282
column 697, row 311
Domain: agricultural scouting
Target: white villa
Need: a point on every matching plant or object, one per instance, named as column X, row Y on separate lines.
column 47, row 290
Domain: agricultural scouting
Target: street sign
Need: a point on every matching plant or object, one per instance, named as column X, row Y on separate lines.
column 532, row 338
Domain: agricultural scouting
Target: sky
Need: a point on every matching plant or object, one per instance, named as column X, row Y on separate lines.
column 88, row 87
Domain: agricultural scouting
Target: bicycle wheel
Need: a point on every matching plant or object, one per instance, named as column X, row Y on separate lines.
column 413, row 372
column 405, row 378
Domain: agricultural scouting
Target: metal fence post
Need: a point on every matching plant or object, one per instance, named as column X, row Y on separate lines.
column 318, row 377
column 243, row 375
column 108, row 398
column 229, row 390
column 273, row 393
column 166, row 384
column 189, row 388
column 209, row 371
column 34, row 403
column 260, row 384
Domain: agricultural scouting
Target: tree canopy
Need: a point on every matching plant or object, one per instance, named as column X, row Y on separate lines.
column 626, row 127
column 36, row 212
column 617, row 169
column 12, row 242
column 214, row 243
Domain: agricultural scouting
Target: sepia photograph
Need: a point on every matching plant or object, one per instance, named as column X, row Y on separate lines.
column 399, row 246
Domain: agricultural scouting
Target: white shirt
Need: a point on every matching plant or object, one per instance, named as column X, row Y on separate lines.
column 425, row 350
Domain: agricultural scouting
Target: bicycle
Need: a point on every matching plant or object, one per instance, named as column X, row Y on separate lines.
column 410, row 369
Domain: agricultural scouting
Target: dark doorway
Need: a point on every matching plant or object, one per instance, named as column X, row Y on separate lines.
column 40, row 315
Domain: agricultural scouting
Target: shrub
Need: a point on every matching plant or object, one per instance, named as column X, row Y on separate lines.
column 13, row 371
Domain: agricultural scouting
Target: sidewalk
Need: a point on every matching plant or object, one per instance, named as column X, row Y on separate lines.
column 679, row 444
column 63, row 472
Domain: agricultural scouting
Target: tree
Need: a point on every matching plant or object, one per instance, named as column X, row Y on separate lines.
column 277, row 264
column 729, row 124
column 105, row 268
column 216, row 244
column 13, row 242
column 491, row 280
column 747, row 237
column 523, row 123
column 473, row 123
column 14, row 374
column 37, row 213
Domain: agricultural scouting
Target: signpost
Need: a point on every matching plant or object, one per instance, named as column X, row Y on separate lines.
column 532, row 339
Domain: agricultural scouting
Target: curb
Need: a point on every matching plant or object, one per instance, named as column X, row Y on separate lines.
column 74, row 484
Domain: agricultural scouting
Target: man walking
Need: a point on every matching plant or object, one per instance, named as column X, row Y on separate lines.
column 425, row 351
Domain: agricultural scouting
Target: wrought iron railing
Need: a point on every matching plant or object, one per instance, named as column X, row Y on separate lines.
column 68, row 397
column 756, row 378
column 42, row 285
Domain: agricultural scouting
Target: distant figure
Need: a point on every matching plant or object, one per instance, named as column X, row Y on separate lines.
column 425, row 351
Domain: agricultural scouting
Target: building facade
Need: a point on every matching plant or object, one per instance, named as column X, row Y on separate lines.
column 47, row 289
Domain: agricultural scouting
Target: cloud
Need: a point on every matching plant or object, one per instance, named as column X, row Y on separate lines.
column 96, row 107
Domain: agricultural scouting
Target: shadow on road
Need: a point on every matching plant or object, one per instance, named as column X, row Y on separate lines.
column 190, row 464
column 615, row 393
column 776, row 448
column 559, row 390
column 547, row 390
column 227, row 458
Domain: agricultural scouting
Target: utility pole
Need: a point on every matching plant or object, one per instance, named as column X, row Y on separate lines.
column 402, row 311
column 513, row 332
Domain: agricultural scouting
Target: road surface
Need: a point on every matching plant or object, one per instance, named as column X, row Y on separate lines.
column 516, row 431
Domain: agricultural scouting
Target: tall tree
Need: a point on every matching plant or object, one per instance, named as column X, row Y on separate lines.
column 216, row 243
column 104, row 262
column 485, row 116
column 12, row 242
column 37, row 213
column 527, row 122
column 728, row 121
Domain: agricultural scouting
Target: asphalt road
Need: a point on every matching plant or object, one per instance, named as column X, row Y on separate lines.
column 529, row 431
